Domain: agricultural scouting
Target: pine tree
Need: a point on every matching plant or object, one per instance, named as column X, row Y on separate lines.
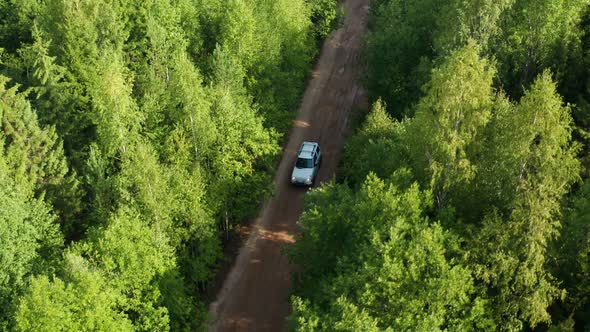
column 539, row 160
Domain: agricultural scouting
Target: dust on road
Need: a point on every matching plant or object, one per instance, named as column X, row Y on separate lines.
column 255, row 294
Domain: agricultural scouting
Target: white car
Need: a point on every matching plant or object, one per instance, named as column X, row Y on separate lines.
column 308, row 162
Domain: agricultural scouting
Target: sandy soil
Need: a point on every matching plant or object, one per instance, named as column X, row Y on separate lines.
column 255, row 294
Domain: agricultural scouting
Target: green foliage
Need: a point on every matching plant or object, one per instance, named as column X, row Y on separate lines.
column 56, row 96
column 132, row 256
column 572, row 256
column 463, row 21
column 115, row 115
column 125, row 282
column 241, row 138
column 398, row 50
column 32, row 168
column 449, row 120
column 408, row 37
column 324, row 16
column 537, row 35
column 381, row 264
column 34, row 156
column 528, row 144
column 170, row 114
column 83, row 301
column 16, row 17
column 344, row 316
column 29, row 240
column 496, row 170
column 171, row 200
column 162, row 206
column 272, row 43
column 377, row 147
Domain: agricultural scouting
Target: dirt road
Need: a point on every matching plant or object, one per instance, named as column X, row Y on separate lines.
column 255, row 294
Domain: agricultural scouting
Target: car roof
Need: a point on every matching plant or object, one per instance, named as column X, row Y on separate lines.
column 306, row 149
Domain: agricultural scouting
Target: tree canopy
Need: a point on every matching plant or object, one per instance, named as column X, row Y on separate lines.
column 461, row 202
column 133, row 135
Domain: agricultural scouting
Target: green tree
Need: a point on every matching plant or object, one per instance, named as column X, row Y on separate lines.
column 324, row 16
column 16, row 17
column 115, row 114
column 382, row 263
column 168, row 111
column 35, row 156
column 29, row 242
column 83, row 301
column 272, row 43
column 32, row 172
column 449, row 120
column 529, row 139
column 344, row 316
column 56, row 95
column 536, row 35
column 572, row 257
column 171, row 200
column 242, row 139
column 398, row 50
column 462, row 21
column 538, row 160
column 378, row 147
column 132, row 256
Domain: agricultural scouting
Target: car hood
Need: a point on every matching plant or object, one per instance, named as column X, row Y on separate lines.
column 302, row 174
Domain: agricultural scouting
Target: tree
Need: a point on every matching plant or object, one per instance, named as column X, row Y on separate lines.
column 35, row 157
column 171, row 200
column 272, row 43
column 538, row 160
column 29, row 242
column 84, row 301
column 56, row 95
column 16, row 17
column 344, row 316
column 242, row 140
column 571, row 254
column 168, row 112
column 536, row 35
column 324, row 16
column 377, row 260
column 31, row 166
column 449, row 120
column 462, row 21
column 377, row 147
column 532, row 138
column 132, row 256
column 399, row 52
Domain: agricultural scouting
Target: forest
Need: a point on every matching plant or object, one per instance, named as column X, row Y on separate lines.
column 134, row 135
column 462, row 202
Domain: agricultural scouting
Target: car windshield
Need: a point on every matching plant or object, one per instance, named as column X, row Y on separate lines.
column 304, row 163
